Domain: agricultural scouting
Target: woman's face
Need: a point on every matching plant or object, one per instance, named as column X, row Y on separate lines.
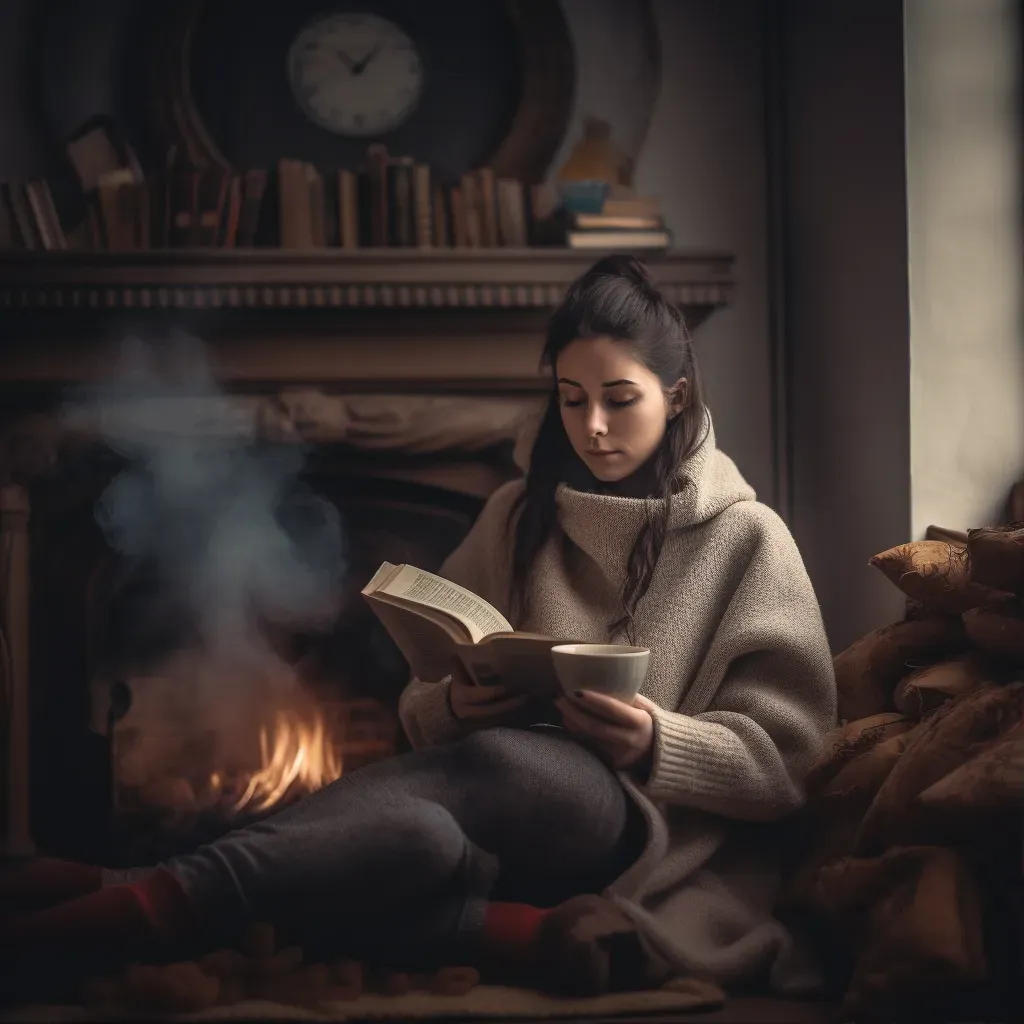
column 614, row 409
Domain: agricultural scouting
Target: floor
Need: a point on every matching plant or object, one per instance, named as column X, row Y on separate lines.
column 736, row 1011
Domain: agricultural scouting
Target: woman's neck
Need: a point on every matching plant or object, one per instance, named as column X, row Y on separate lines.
column 641, row 484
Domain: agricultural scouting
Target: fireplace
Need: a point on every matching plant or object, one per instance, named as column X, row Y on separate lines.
column 145, row 737
column 406, row 399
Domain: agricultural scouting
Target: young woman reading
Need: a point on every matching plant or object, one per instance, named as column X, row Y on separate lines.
column 585, row 846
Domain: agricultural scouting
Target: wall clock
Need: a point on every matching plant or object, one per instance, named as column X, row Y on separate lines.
column 355, row 73
column 455, row 84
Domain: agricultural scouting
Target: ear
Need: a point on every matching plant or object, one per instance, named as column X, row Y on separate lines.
column 676, row 397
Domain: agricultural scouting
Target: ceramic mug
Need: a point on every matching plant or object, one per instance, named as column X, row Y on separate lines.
column 614, row 669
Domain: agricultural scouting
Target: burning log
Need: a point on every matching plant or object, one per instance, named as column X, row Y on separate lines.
column 179, row 783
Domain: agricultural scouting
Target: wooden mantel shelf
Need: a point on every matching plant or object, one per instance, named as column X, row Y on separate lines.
column 332, row 278
column 384, row 320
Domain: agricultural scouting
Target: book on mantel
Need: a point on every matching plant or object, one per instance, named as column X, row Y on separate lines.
column 627, row 223
column 434, row 621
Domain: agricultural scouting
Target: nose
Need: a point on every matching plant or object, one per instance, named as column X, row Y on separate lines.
column 597, row 424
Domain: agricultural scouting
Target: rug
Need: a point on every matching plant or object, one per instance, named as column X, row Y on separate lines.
column 484, row 1001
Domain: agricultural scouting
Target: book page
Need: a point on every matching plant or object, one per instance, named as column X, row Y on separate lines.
column 379, row 577
column 421, row 587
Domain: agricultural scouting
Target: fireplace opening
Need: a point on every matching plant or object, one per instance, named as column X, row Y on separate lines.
column 132, row 759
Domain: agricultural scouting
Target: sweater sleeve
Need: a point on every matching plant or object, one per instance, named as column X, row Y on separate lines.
column 770, row 666
column 479, row 563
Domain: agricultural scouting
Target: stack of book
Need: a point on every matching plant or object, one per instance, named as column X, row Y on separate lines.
column 623, row 223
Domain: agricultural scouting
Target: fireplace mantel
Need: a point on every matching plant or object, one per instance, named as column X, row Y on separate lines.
column 457, row 320
column 330, row 278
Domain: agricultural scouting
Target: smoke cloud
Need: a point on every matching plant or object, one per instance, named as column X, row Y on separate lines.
column 223, row 518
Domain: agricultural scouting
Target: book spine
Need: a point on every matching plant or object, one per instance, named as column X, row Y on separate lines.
column 377, row 158
column 213, row 194
column 229, row 234
column 457, row 203
column 471, row 211
column 440, row 222
column 317, row 208
column 618, row 239
column 184, row 205
column 488, row 208
column 403, row 213
column 253, row 191
column 423, row 206
column 511, row 213
column 294, row 211
column 23, row 217
column 348, row 210
column 38, row 210
column 95, row 238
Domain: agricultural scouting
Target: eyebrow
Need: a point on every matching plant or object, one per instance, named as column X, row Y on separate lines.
column 606, row 384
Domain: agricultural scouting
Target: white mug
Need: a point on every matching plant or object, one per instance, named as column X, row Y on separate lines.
column 614, row 669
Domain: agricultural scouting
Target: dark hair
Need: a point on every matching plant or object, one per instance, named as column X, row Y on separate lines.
column 615, row 298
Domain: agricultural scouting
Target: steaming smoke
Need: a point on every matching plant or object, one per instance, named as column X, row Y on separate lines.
column 232, row 534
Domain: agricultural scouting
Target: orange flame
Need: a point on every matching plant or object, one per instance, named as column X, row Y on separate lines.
column 301, row 756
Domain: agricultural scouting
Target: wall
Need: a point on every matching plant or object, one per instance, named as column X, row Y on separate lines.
column 904, row 295
column 846, row 301
column 23, row 150
column 964, row 187
column 704, row 157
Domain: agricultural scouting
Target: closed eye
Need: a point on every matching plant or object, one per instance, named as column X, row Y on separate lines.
column 575, row 403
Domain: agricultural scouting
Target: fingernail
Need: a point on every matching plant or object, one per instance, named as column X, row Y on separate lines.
column 577, row 693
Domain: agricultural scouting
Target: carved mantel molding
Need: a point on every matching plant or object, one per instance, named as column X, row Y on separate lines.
column 372, row 320
column 330, row 278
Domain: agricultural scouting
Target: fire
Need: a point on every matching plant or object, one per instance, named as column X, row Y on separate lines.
column 297, row 753
column 178, row 757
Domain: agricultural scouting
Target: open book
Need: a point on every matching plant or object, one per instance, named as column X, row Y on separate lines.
column 434, row 620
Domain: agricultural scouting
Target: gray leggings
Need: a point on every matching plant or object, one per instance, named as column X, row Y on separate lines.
column 411, row 847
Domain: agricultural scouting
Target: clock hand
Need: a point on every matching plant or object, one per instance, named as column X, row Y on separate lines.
column 360, row 66
column 346, row 60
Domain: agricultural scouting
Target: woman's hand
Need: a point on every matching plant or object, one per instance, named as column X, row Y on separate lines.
column 471, row 702
column 622, row 733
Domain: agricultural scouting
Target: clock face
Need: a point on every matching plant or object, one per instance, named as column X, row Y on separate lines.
column 355, row 74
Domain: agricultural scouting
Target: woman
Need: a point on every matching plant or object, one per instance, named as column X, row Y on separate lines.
column 493, row 838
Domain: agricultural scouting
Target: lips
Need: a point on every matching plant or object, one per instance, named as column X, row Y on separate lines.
column 601, row 453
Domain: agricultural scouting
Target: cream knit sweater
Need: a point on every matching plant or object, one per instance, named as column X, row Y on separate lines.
column 742, row 672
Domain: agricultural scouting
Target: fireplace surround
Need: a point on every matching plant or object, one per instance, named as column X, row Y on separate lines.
column 408, row 379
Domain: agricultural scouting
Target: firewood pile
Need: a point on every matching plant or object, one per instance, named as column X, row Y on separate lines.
column 910, row 861
column 258, row 970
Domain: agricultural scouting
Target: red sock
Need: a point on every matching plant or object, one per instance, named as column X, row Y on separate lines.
column 42, row 882
column 144, row 916
column 510, row 931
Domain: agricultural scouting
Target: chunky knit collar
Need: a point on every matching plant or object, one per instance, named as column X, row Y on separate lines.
column 606, row 525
